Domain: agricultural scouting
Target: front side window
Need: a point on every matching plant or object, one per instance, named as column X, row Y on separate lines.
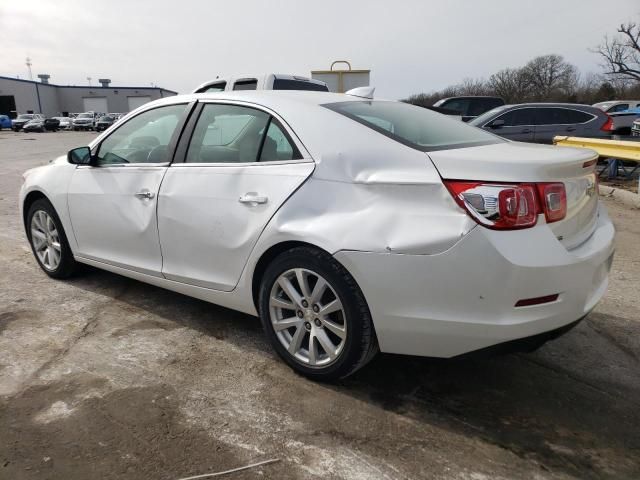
column 459, row 105
column 251, row 84
column 413, row 126
column 143, row 139
column 518, row 117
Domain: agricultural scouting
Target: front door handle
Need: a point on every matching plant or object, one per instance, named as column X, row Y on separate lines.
column 252, row 198
column 526, row 130
column 145, row 194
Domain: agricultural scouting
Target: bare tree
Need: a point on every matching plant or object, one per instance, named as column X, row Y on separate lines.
column 511, row 84
column 550, row 77
column 622, row 52
column 472, row 86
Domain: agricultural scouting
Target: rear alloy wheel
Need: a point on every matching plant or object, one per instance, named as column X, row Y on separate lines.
column 48, row 240
column 315, row 315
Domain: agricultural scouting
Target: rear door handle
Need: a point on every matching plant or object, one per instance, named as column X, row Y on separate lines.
column 252, row 198
column 570, row 129
column 526, row 130
column 145, row 194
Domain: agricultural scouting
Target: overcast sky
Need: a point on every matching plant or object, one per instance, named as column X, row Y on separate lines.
column 411, row 46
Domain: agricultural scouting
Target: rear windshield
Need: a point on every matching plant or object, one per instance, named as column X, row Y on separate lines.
column 414, row 126
column 288, row 84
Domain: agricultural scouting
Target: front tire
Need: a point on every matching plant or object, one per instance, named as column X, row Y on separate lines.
column 315, row 315
column 48, row 240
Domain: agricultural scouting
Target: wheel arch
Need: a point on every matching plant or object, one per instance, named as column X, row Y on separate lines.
column 267, row 257
column 29, row 200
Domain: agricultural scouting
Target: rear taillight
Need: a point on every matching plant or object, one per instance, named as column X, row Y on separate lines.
column 509, row 206
column 608, row 125
column 553, row 198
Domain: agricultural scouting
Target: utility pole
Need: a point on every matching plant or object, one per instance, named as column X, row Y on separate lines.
column 29, row 67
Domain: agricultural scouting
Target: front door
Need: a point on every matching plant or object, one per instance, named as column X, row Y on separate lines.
column 241, row 164
column 112, row 204
column 518, row 125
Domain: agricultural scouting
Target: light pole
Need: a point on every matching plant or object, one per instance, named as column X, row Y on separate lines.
column 29, row 67
column 89, row 80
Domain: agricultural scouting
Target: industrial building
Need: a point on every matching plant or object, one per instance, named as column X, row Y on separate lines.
column 28, row 96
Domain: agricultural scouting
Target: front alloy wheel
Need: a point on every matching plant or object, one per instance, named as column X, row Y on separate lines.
column 46, row 240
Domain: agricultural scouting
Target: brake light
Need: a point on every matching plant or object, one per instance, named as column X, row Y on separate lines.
column 553, row 198
column 509, row 206
column 497, row 206
column 608, row 125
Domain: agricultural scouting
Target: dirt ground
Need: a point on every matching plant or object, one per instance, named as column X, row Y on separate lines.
column 105, row 377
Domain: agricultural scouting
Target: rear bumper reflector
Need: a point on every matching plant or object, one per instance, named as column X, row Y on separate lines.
column 527, row 302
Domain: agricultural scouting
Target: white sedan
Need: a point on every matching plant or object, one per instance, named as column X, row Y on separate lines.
column 349, row 225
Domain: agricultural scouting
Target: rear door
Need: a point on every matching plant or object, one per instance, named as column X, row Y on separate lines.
column 518, row 125
column 234, row 168
column 552, row 121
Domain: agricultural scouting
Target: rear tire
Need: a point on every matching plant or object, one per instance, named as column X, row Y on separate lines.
column 323, row 347
column 48, row 240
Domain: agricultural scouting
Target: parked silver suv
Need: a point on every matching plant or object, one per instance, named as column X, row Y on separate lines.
column 540, row 122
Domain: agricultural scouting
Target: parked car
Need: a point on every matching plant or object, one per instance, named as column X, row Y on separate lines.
column 614, row 106
column 5, row 122
column 42, row 125
column 540, row 122
column 469, row 107
column 623, row 120
column 270, row 81
column 84, row 121
column 22, row 119
column 635, row 128
column 351, row 225
column 65, row 122
column 105, row 122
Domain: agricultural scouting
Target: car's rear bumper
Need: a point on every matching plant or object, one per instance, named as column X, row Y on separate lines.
column 464, row 299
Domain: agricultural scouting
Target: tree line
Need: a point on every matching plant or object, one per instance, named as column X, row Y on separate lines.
column 550, row 78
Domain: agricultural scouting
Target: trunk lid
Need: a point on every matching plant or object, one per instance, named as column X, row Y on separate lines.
column 513, row 162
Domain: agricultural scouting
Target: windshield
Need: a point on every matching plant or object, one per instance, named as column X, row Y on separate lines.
column 485, row 117
column 85, row 115
column 106, row 119
column 413, row 126
column 25, row 116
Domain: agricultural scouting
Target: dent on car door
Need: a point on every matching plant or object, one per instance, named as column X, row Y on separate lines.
column 112, row 204
column 240, row 165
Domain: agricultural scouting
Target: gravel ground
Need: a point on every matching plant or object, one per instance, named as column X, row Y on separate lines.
column 106, row 377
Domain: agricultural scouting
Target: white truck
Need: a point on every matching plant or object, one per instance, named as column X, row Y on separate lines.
column 265, row 81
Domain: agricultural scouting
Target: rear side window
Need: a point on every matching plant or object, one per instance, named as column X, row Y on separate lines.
column 481, row 105
column 289, row 84
column 413, row 126
column 619, row 108
column 277, row 145
column 459, row 105
column 552, row 116
column 575, row 116
column 251, row 84
column 216, row 87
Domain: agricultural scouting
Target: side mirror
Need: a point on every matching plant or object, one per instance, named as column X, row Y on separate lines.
column 497, row 123
column 79, row 156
